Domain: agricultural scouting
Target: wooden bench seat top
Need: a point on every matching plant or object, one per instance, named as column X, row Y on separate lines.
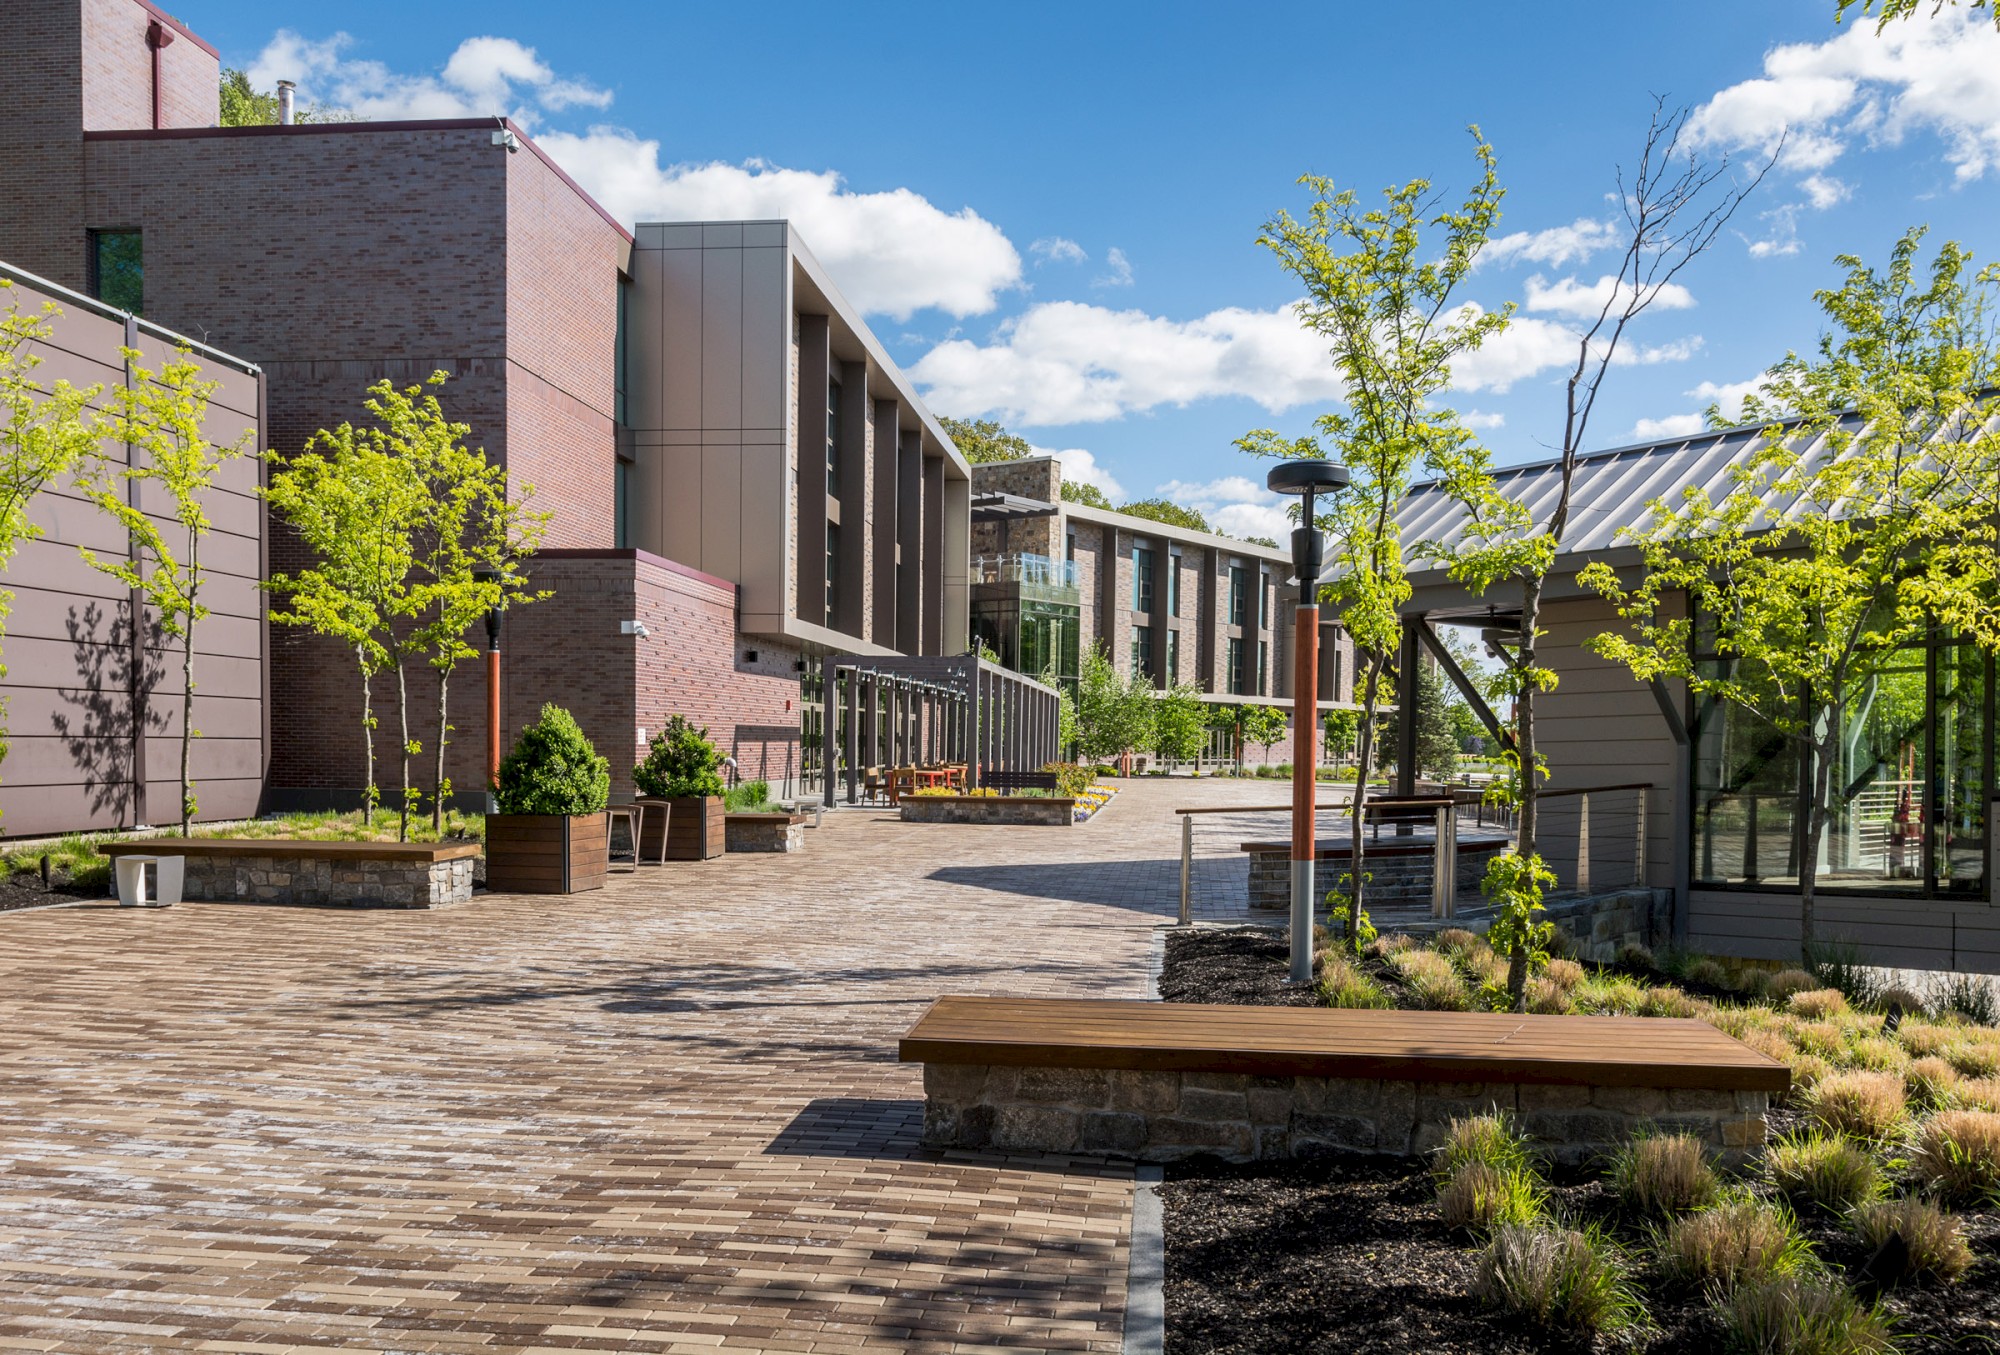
column 1594, row 1051
column 290, row 846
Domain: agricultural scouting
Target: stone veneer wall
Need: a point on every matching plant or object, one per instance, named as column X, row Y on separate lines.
column 320, row 880
column 1165, row 1116
column 1024, row 810
column 764, row 832
column 1399, row 878
column 1603, row 924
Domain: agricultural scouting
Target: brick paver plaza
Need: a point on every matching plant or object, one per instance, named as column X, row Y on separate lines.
column 662, row 1117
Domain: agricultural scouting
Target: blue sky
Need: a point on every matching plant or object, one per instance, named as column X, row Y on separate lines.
column 1051, row 210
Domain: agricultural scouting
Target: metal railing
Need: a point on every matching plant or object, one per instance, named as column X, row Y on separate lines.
column 1022, row 567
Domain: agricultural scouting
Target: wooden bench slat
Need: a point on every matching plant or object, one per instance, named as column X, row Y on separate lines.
column 1296, row 1041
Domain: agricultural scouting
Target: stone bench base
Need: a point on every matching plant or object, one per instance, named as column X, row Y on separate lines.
column 764, row 832
column 1165, row 1116
column 1030, row 810
column 357, row 883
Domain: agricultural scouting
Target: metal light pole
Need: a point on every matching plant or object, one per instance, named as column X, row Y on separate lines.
column 1308, row 479
column 492, row 576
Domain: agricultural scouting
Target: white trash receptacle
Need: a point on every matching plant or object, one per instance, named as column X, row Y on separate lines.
column 131, row 874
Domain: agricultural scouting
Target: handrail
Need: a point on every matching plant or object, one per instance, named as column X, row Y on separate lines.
column 1257, row 809
column 1592, row 790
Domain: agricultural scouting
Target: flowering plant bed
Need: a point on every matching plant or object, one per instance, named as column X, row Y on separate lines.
column 1868, row 1225
column 1091, row 799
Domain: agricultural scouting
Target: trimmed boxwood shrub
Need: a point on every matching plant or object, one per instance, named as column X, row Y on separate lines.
column 680, row 763
column 553, row 769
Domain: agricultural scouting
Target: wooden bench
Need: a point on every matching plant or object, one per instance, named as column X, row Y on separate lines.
column 298, row 870
column 1165, row 1080
column 1013, row 781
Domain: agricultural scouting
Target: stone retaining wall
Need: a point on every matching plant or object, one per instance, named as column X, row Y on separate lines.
column 1165, row 1116
column 764, row 832
column 321, row 880
column 1051, row 812
column 1602, row 924
column 1401, row 878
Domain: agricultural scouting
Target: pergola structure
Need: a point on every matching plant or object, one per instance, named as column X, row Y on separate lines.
column 893, row 712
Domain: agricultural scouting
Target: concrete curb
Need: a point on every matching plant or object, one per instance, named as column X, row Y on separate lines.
column 1146, row 1273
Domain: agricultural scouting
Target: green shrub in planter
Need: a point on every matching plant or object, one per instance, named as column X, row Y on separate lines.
column 680, row 763
column 553, row 769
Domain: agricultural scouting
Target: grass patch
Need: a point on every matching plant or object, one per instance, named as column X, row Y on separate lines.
column 1562, row 1278
column 1929, row 1241
column 1664, row 1174
column 1742, row 1241
column 1801, row 1315
column 1824, row 1171
column 1957, row 1154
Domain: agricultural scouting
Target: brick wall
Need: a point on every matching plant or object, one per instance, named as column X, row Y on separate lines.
column 41, row 142
column 117, row 69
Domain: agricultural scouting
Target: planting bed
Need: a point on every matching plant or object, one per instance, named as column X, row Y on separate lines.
column 1339, row 1253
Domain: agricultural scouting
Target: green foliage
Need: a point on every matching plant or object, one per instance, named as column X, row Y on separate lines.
column 750, row 797
column 1480, row 1198
column 1892, row 10
column 1072, row 778
column 1971, row 996
column 1562, row 1278
column 982, row 440
column 243, row 105
column 1823, row 1170
column 1663, row 1174
column 1740, row 1241
column 1437, row 732
column 553, row 769
column 1264, row 726
column 1933, row 1242
column 1881, row 443
column 1957, row 1155
column 1090, row 496
column 680, row 763
column 1381, row 292
column 160, row 500
column 46, row 431
column 1169, row 512
column 1515, row 887
column 1180, row 723
column 1343, row 984
column 1489, row 1139
column 1114, row 716
column 1262, row 541
column 1801, row 1314
column 1342, row 728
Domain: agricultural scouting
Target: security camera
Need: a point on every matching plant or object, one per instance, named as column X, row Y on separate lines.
column 637, row 628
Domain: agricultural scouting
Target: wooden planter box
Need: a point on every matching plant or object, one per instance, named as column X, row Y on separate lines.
column 545, row 853
column 695, row 830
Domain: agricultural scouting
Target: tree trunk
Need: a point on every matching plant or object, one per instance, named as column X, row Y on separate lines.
column 1816, row 816
column 403, row 720
column 439, row 784
column 187, row 683
column 368, row 796
column 1365, row 752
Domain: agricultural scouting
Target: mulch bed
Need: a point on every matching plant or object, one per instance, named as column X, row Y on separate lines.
column 1347, row 1254
column 23, row 889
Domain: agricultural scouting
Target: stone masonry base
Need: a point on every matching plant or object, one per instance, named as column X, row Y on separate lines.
column 319, row 880
column 1164, row 1116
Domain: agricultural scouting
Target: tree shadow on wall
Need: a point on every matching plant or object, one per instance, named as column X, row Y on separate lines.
column 98, row 731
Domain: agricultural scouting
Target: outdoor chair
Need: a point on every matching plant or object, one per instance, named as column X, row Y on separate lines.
column 633, row 816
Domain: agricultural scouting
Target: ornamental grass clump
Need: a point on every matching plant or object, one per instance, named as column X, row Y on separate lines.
column 1480, row 1197
column 1976, row 1093
column 1786, row 982
column 1565, row 974
column 553, row 769
column 1817, row 1004
column 1663, row 1174
column 1801, row 1314
column 1877, row 1052
column 681, row 763
column 1490, row 1140
column 1927, row 1039
column 1382, row 947
column 1900, row 998
column 1957, row 1155
column 1560, row 1278
column 1739, row 1241
column 1972, row 996
column 1864, row 1105
column 1706, row 973
column 1342, row 984
column 1825, row 1171
column 1432, row 982
column 1928, row 1242
column 1665, row 1001
column 1974, row 1055
column 1612, row 996
column 1931, row 1083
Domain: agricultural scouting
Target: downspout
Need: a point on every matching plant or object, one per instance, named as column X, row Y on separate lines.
column 158, row 37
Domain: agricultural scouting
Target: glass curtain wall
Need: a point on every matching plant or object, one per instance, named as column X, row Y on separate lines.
column 1909, row 786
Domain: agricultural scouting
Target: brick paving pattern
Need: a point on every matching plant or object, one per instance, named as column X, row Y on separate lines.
column 663, row 1117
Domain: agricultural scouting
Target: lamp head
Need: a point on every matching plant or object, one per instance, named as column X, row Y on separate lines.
column 1306, row 477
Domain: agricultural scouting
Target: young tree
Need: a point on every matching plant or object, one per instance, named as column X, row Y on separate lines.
column 1382, row 290
column 1264, row 726
column 1342, row 728
column 45, row 432
column 1675, row 204
column 468, row 548
column 1113, row 715
column 1865, row 522
column 1180, row 724
column 1437, row 732
column 356, row 507
column 162, row 416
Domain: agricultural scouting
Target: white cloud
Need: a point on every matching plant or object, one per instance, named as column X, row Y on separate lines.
column 1056, row 249
column 892, row 252
column 485, row 75
column 1567, row 296
column 1555, row 246
column 1728, row 397
column 1673, row 426
column 1121, row 270
column 1064, row 362
column 1234, row 505
column 1939, row 74
column 1823, row 191
column 1477, row 420
column 1081, row 467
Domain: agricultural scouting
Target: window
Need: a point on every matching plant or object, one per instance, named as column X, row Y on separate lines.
column 1264, row 600
column 832, row 571
column 1173, row 673
column 1913, row 768
column 1069, row 546
column 1238, row 585
column 618, row 358
column 1263, row 668
column 1236, row 675
column 1142, row 652
column 832, row 442
column 1142, row 579
column 1174, row 583
column 118, row 269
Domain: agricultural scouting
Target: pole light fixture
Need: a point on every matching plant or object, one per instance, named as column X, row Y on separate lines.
column 1308, row 479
